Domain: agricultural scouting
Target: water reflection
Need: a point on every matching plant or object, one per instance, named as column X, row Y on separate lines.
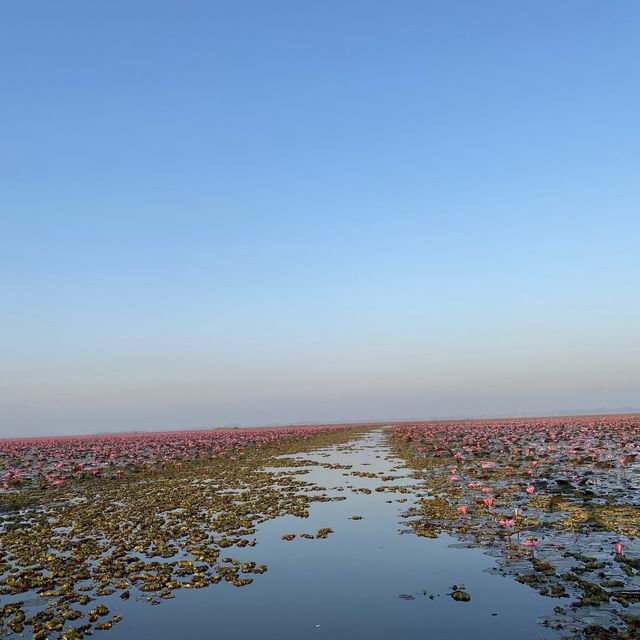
column 349, row 585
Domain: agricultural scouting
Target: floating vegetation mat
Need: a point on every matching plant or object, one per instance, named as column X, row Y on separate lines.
column 138, row 517
column 89, row 523
column 556, row 501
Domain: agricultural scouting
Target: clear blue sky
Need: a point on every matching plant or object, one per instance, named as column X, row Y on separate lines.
column 252, row 212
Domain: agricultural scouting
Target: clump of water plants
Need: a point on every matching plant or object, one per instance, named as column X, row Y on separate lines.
column 162, row 513
column 555, row 497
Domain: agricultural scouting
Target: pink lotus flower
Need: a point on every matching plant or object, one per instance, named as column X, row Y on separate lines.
column 463, row 508
column 486, row 490
column 52, row 459
column 618, row 548
column 530, row 489
column 531, row 542
column 506, row 522
column 488, row 502
column 472, row 485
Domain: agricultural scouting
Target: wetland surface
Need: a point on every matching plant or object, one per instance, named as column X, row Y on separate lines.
column 333, row 536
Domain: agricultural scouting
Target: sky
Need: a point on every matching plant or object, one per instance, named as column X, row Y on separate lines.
column 234, row 212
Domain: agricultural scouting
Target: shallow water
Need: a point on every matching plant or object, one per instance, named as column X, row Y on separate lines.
column 349, row 585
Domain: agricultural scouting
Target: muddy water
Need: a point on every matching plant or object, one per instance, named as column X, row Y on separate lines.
column 368, row 579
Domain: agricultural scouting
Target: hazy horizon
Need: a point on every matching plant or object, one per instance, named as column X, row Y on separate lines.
column 596, row 412
column 267, row 213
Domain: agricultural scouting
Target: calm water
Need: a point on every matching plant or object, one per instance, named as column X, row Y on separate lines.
column 348, row 585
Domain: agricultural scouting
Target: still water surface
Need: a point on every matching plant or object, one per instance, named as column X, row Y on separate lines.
column 349, row 585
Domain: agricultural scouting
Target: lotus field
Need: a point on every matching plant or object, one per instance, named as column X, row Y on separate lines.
column 462, row 529
column 557, row 499
column 52, row 461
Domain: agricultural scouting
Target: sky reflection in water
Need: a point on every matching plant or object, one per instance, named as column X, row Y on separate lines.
column 349, row 584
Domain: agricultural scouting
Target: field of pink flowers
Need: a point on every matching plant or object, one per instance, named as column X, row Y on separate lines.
column 556, row 499
column 52, row 461
column 92, row 525
column 87, row 523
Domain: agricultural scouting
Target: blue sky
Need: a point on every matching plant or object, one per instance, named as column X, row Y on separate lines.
column 263, row 212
